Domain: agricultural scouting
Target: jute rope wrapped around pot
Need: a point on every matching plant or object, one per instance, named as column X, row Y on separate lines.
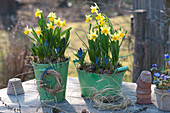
column 46, row 87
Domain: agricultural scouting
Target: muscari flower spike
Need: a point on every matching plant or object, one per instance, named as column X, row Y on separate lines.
column 97, row 62
column 63, row 41
column 157, row 75
column 154, row 65
column 46, row 43
column 166, row 56
column 106, row 61
column 57, row 49
column 80, row 52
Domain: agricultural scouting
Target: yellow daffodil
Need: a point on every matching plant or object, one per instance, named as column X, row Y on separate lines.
column 93, row 36
column 121, row 34
column 102, row 18
column 105, row 30
column 98, row 16
column 58, row 22
column 114, row 37
column 94, row 8
column 101, row 23
column 27, row 31
column 38, row 31
column 38, row 13
column 63, row 23
column 88, row 18
column 50, row 26
column 51, row 16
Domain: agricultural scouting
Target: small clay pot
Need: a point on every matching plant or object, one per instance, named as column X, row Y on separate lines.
column 143, row 96
column 142, row 84
column 163, row 99
column 143, row 91
column 144, row 101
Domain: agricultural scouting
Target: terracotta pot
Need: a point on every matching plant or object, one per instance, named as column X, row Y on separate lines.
column 163, row 99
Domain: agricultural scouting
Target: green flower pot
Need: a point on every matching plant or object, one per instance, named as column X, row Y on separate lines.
column 51, row 81
column 92, row 83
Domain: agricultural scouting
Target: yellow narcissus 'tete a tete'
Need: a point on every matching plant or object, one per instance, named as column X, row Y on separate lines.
column 38, row 13
column 103, row 41
column 49, row 40
column 88, row 18
column 93, row 36
column 51, row 16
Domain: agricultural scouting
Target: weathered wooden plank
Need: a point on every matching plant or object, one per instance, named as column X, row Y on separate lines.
column 140, row 17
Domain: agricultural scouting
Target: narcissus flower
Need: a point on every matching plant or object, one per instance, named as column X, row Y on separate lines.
column 27, row 31
column 105, row 30
column 101, row 21
column 93, row 36
column 121, row 34
column 50, row 26
column 114, row 37
column 58, row 22
column 88, row 18
column 51, row 16
column 38, row 13
column 38, row 31
column 94, row 8
column 63, row 23
column 99, row 16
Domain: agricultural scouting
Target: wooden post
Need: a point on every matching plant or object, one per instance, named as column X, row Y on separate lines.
column 132, row 25
column 140, row 18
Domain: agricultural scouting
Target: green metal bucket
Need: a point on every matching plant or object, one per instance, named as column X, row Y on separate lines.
column 92, row 83
column 49, row 79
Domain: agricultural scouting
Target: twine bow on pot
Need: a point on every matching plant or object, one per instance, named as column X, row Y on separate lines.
column 46, row 87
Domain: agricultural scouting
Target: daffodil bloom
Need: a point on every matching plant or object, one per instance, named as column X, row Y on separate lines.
column 114, row 37
column 38, row 13
column 51, row 16
column 27, row 31
column 88, row 18
column 94, row 8
column 98, row 16
column 105, row 30
column 38, row 31
column 101, row 22
column 93, row 36
column 121, row 34
column 50, row 26
column 102, row 18
column 58, row 22
column 63, row 23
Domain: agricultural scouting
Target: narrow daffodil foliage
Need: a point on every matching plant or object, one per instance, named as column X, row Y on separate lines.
column 162, row 75
column 49, row 41
column 104, row 41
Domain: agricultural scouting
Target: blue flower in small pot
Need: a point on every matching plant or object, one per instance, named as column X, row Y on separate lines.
column 154, row 66
column 157, row 75
column 166, row 56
